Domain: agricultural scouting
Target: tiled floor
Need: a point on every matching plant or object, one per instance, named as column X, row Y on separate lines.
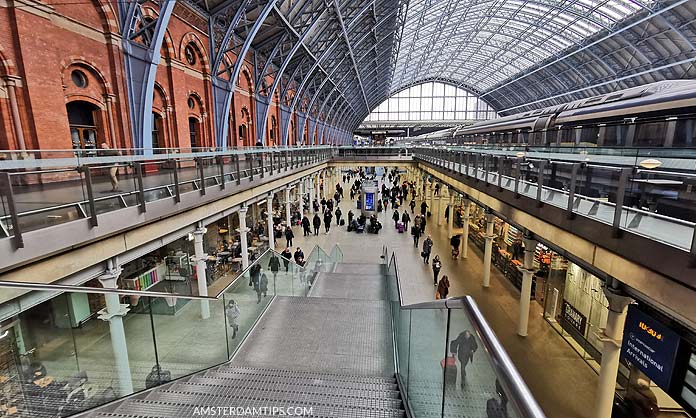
column 561, row 381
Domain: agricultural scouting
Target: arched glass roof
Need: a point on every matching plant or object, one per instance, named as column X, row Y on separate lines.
column 482, row 43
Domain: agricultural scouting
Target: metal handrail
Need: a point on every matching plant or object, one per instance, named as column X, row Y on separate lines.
column 35, row 286
column 79, row 160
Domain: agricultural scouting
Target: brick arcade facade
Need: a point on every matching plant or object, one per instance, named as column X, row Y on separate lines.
column 63, row 86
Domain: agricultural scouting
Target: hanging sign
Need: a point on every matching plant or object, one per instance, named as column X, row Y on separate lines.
column 650, row 345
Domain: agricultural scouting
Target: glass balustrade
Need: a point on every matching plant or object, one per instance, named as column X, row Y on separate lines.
column 448, row 361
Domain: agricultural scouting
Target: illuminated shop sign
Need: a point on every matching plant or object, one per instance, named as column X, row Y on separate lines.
column 572, row 319
column 650, row 345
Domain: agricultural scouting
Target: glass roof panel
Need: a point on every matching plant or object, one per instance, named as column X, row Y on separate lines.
column 479, row 43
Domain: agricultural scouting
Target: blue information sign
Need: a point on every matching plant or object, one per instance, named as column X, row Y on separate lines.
column 650, row 345
column 369, row 201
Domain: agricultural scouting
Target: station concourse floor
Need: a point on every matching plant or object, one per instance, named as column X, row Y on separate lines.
column 563, row 384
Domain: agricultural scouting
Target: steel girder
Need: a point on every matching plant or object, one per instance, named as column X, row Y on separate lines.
column 223, row 89
column 262, row 113
column 141, row 41
column 654, row 45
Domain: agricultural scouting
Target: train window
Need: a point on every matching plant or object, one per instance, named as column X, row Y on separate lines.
column 650, row 134
column 589, row 134
column 685, row 133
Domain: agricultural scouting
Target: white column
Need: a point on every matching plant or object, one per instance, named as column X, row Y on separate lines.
column 269, row 220
column 114, row 313
column 287, row 205
column 611, row 351
column 315, row 188
column 527, row 270
column 431, row 207
column 243, row 236
column 465, row 232
column 200, row 256
column 440, row 212
column 450, row 221
column 488, row 250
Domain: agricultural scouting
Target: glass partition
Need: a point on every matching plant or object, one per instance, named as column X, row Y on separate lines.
column 103, row 346
column 448, row 361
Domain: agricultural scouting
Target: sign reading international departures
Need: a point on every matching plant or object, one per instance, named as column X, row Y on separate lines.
column 650, row 345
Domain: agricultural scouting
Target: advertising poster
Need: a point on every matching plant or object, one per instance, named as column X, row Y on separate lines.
column 369, row 201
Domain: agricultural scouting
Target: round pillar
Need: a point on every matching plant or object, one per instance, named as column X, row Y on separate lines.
column 201, row 256
column 527, row 270
column 488, row 250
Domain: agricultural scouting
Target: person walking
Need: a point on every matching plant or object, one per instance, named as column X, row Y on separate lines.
column 305, row 226
column 338, row 214
column 416, row 232
column 327, row 220
column 254, row 273
column 261, row 286
column 289, row 236
column 405, row 219
column 299, row 256
column 413, row 204
column 316, row 222
column 274, row 265
column 233, row 313
column 437, row 266
column 427, row 248
column 443, row 287
column 424, row 208
column 464, row 346
column 422, row 224
column 455, row 241
column 287, row 255
column 396, row 218
column 106, row 151
column 350, row 216
column 447, row 213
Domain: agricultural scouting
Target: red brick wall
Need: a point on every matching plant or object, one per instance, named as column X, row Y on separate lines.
column 85, row 37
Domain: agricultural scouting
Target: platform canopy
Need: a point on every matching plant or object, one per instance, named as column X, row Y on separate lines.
column 334, row 61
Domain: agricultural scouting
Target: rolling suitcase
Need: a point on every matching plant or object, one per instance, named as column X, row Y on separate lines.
column 400, row 227
column 343, row 222
column 450, row 366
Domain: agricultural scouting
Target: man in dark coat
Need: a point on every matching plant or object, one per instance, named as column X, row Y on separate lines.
column 305, row 226
column 299, row 256
column 287, row 255
column 405, row 218
column 289, row 236
column 327, row 220
column 316, row 222
column 464, row 347
column 274, row 264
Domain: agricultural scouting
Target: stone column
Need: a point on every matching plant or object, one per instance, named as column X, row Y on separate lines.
column 611, row 351
column 450, row 221
column 488, row 250
column 269, row 220
column 110, row 98
column 287, row 206
column 527, row 270
column 11, row 82
column 243, row 236
column 315, row 188
column 201, row 256
column 465, row 232
column 114, row 313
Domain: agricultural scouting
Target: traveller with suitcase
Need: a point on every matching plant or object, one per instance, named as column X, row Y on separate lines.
column 400, row 227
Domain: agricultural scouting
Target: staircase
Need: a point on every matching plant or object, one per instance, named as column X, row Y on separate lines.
column 330, row 353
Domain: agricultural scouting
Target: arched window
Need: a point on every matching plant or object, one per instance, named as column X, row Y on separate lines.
column 156, row 130
column 273, row 128
column 194, row 132
column 433, row 101
column 83, row 129
column 242, row 132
